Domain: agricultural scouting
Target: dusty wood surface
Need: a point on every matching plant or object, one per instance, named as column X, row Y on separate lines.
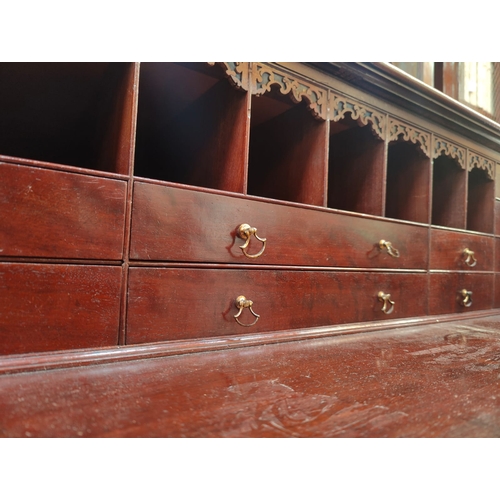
column 438, row 380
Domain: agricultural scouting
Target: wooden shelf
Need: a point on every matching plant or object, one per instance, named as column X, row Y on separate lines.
column 355, row 168
column 448, row 193
column 480, row 202
column 191, row 127
column 76, row 114
column 408, row 180
column 288, row 152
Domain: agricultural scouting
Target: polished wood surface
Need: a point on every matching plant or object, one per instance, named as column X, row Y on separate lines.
column 48, row 307
column 122, row 197
column 283, row 299
column 447, row 250
column 444, row 292
column 440, row 380
column 181, row 225
column 54, row 214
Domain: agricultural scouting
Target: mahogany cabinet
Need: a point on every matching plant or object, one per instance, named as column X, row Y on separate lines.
column 172, row 205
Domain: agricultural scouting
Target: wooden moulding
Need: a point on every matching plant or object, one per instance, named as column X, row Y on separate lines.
column 116, row 354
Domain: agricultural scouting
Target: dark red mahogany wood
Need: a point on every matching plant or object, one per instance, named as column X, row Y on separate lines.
column 288, row 157
column 434, row 381
column 46, row 213
column 283, row 299
column 356, row 170
column 50, row 307
column 175, row 224
column 445, row 287
column 447, row 249
column 497, row 255
column 497, row 217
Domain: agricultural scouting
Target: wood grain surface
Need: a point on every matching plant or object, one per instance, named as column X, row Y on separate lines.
column 447, row 249
column 170, row 304
column 46, row 213
column 434, row 381
column 48, row 307
column 173, row 224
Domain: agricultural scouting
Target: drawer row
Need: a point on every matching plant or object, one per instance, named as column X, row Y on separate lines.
column 47, row 307
column 51, row 214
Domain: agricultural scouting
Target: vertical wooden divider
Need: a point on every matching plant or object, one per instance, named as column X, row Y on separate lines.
column 125, row 160
column 119, row 115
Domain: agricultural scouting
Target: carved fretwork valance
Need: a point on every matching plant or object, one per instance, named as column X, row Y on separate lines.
column 263, row 77
column 409, row 133
column 447, row 148
column 340, row 106
column 237, row 73
column 478, row 161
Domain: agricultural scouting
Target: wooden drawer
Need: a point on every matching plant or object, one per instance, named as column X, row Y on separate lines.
column 445, row 288
column 497, row 291
column 170, row 304
column 48, row 213
column 179, row 225
column 51, row 307
column 447, row 250
column 497, row 255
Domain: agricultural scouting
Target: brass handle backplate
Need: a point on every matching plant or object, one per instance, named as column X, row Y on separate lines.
column 245, row 232
column 470, row 260
column 241, row 303
column 393, row 252
column 388, row 304
column 465, row 298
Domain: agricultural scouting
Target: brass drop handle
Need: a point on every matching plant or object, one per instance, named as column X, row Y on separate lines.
column 466, row 298
column 393, row 252
column 470, row 260
column 388, row 306
column 241, row 303
column 245, row 232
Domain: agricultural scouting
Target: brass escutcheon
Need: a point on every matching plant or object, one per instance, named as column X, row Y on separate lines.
column 470, row 260
column 245, row 232
column 388, row 306
column 393, row 252
column 241, row 303
column 466, row 298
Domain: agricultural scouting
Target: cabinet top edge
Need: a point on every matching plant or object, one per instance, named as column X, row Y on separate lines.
column 397, row 87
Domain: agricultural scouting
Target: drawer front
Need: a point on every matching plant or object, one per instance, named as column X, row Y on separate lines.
column 497, row 255
column 445, row 292
column 58, row 214
column 497, row 291
column 497, row 216
column 447, row 251
column 51, row 307
column 171, row 304
column 179, row 225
